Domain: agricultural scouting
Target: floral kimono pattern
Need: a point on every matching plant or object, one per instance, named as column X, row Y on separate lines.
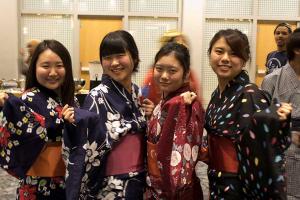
column 242, row 113
column 176, row 129
column 115, row 113
column 26, row 125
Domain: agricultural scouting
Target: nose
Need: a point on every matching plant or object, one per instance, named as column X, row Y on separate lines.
column 225, row 57
column 164, row 75
column 114, row 61
column 52, row 71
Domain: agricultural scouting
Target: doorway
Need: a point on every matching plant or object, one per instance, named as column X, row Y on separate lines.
column 92, row 31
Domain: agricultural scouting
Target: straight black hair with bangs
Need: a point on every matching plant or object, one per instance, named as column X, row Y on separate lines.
column 118, row 42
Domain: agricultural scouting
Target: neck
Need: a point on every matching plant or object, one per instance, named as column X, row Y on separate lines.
column 222, row 84
column 127, row 86
column 281, row 48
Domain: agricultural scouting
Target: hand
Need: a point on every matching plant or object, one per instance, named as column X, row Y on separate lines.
column 68, row 113
column 3, row 98
column 188, row 97
column 148, row 107
column 284, row 111
column 296, row 138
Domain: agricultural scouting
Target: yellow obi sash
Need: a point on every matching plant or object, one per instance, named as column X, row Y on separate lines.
column 49, row 163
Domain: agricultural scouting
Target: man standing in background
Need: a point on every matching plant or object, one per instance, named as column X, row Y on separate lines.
column 277, row 59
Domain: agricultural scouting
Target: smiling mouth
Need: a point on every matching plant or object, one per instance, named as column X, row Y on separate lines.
column 119, row 69
column 164, row 84
column 225, row 66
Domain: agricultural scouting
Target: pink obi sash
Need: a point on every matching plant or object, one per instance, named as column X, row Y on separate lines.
column 127, row 156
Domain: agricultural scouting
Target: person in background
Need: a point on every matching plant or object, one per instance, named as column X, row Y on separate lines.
column 152, row 91
column 277, row 59
column 284, row 85
column 109, row 135
column 174, row 135
column 31, row 127
column 246, row 136
column 31, row 46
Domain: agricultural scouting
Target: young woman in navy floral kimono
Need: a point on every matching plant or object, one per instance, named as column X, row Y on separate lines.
column 31, row 126
column 174, row 130
column 246, row 136
column 110, row 162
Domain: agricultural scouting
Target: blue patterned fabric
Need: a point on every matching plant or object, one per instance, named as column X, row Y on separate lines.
column 109, row 112
column 26, row 125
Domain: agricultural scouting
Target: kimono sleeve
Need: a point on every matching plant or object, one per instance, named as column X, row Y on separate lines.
column 180, row 144
column 260, row 149
column 84, row 150
column 22, row 137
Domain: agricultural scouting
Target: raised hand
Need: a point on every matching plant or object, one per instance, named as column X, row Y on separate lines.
column 284, row 111
column 68, row 113
column 3, row 97
column 148, row 107
column 188, row 97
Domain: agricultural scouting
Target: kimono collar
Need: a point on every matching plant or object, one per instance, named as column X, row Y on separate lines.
column 48, row 92
column 240, row 80
column 185, row 87
column 111, row 83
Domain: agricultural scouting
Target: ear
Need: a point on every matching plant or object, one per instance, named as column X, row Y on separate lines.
column 187, row 77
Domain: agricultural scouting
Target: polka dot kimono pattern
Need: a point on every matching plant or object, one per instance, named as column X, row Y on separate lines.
column 242, row 113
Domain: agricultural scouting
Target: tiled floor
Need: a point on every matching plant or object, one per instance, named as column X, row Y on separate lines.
column 8, row 184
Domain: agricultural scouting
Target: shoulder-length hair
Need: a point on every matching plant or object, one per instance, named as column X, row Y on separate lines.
column 117, row 42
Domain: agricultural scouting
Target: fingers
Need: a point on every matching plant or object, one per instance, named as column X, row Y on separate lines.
column 65, row 108
column 188, row 97
column 284, row 111
column 148, row 107
column 68, row 113
column 3, row 98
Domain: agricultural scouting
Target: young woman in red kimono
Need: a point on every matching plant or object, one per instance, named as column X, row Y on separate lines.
column 246, row 136
column 174, row 130
column 150, row 89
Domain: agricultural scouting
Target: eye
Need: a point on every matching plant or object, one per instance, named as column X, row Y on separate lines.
column 218, row 51
column 120, row 55
column 158, row 68
column 172, row 71
column 60, row 65
column 107, row 58
column 233, row 53
column 45, row 66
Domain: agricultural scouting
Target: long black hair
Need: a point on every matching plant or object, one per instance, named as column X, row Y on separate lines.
column 68, row 86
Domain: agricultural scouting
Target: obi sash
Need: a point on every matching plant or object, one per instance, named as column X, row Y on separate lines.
column 49, row 163
column 152, row 160
column 222, row 154
column 127, row 156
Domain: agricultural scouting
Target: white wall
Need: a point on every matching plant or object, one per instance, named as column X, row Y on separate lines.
column 192, row 25
column 8, row 39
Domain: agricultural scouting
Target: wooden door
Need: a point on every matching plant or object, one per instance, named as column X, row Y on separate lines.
column 265, row 43
column 92, row 31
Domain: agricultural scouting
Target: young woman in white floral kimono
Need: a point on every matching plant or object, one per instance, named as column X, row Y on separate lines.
column 106, row 147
